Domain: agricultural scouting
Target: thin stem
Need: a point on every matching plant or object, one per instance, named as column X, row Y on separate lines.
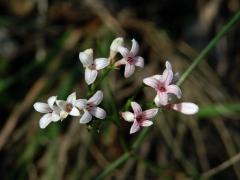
column 195, row 63
column 209, row 47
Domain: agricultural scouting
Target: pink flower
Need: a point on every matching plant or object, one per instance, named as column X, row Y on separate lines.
column 130, row 60
column 139, row 117
column 90, row 107
column 52, row 112
column 92, row 66
column 162, row 85
column 187, row 108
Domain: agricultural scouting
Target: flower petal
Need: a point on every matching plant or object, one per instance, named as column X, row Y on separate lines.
column 120, row 62
column 55, row 117
column 135, row 47
column 86, row 57
column 186, row 108
column 174, row 89
column 146, row 123
column 51, row 101
column 151, row 81
column 42, row 107
column 97, row 98
column 80, row 103
column 101, row 63
column 136, row 108
column 168, row 65
column 128, row 116
column 157, row 77
column 90, row 75
column 167, row 76
column 45, row 120
column 129, row 70
column 123, row 51
column 135, row 127
column 116, row 43
column 139, row 61
column 71, row 98
column 98, row 112
column 150, row 113
column 61, row 104
column 161, row 99
column 86, row 118
column 74, row 112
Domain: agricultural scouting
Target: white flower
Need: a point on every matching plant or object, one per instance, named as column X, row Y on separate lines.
column 68, row 107
column 130, row 59
column 52, row 112
column 90, row 107
column 92, row 66
column 114, row 46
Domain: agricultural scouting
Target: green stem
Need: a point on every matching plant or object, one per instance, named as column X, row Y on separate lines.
column 209, row 47
column 199, row 59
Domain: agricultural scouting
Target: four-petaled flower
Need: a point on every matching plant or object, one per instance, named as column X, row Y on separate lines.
column 139, row 117
column 68, row 107
column 92, row 66
column 162, row 85
column 130, row 60
column 90, row 108
column 52, row 112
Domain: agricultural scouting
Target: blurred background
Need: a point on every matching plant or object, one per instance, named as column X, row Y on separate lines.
column 39, row 45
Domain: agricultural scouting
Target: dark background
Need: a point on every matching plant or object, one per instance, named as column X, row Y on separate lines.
column 39, row 45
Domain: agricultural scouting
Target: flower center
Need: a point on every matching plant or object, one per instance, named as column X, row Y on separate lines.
column 92, row 66
column 139, row 118
column 130, row 59
column 89, row 106
column 68, row 107
column 162, row 89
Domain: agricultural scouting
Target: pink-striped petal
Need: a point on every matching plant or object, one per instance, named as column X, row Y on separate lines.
column 81, row 103
column 167, row 77
column 161, row 99
column 151, row 81
column 135, row 127
column 150, row 113
column 90, row 76
column 136, row 108
column 101, row 63
column 97, row 98
column 98, row 112
column 129, row 70
column 186, row 108
column 135, row 47
column 146, row 123
column 86, row 118
column 174, row 89
column 123, row 51
column 128, row 116
column 139, row 61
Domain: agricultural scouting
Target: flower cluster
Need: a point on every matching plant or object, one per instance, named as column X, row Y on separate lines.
column 56, row 110
column 164, row 85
